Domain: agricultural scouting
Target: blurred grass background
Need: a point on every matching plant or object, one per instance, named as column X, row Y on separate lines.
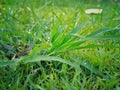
column 28, row 28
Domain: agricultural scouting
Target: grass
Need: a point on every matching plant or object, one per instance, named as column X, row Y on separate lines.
column 54, row 45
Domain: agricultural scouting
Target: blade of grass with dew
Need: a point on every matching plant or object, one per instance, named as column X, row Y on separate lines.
column 25, row 60
column 48, row 58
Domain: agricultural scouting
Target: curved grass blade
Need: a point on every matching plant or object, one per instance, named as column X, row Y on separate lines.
column 94, row 46
column 25, row 60
column 103, row 38
column 102, row 31
column 48, row 58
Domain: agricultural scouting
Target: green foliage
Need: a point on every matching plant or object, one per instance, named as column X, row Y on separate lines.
column 55, row 45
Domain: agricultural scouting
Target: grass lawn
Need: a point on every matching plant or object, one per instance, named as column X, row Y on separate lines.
column 55, row 45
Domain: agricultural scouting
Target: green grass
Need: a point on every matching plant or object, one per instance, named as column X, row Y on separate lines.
column 54, row 45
